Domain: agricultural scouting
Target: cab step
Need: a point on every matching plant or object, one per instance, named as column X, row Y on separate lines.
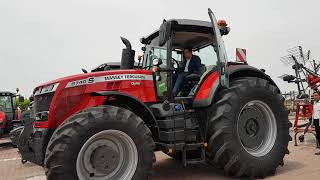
column 191, row 147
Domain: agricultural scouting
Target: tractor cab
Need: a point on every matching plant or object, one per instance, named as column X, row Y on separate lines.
column 8, row 104
column 8, row 111
column 163, row 53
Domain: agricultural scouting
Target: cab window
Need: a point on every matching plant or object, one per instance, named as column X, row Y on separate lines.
column 6, row 103
column 158, row 52
column 208, row 57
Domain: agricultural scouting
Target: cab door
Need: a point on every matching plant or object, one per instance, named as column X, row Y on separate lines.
column 217, row 76
column 153, row 53
column 220, row 50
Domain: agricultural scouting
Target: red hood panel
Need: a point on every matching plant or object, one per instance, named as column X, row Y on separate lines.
column 102, row 73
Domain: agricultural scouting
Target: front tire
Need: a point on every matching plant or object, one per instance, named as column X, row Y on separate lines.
column 104, row 142
column 248, row 129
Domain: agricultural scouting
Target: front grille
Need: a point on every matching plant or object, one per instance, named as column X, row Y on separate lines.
column 42, row 102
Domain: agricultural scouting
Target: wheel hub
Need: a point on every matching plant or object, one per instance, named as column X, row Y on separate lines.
column 105, row 159
column 252, row 127
column 107, row 155
column 257, row 128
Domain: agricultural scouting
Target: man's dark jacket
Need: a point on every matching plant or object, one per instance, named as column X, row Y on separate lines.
column 194, row 65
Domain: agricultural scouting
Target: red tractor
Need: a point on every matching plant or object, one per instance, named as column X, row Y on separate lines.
column 9, row 113
column 108, row 124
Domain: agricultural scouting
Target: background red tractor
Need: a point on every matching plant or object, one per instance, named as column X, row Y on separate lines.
column 107, row 124
column 3, row 121
column 9, row 113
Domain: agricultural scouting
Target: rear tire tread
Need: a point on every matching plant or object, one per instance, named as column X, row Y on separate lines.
column 220, row 153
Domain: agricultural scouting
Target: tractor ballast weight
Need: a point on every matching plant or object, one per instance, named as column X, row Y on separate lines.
column 127, row 57
column 118, row 118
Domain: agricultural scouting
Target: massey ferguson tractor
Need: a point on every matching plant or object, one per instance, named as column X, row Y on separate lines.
column 108, row 124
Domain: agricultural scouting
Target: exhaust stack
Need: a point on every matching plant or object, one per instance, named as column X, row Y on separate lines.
column 127, row 58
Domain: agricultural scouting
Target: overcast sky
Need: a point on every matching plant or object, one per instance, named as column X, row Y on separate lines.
column 41, row 40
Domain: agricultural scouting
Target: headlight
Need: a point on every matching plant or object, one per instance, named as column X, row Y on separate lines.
column 42, row 116
column 46, row 89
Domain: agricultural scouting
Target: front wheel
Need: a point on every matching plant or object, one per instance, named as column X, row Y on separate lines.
column 248, row 129
column 101, row 143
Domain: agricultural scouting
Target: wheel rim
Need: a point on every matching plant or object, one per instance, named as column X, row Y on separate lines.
column 257, row 128
column 109, row 154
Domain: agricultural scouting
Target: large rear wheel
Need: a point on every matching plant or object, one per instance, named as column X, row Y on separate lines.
column 101, row 143
column 248, row 129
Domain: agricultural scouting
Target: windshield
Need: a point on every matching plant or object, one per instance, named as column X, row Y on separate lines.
column 160, row 52
column 5, row 104
column 207, row 55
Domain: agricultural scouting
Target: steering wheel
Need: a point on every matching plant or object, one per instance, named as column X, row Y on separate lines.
column 147, row 67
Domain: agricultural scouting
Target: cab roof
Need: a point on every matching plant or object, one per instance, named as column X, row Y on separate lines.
column 191, row 33
column 7, row 93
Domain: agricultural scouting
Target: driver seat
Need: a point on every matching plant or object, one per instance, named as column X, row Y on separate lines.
column 191, row 80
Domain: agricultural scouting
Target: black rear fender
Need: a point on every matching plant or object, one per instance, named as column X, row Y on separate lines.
column 235, row 72
column 133, row 104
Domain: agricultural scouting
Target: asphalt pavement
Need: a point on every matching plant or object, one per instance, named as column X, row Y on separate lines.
column 300, row 164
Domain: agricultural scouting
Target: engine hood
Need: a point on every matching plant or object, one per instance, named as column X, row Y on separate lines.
column 112, row 74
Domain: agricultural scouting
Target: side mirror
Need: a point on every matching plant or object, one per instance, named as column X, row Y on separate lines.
column 289, row 78
column 21, row 99
column 164, row 32
column 157, row 62
column 143, row 40
column 225, row 31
